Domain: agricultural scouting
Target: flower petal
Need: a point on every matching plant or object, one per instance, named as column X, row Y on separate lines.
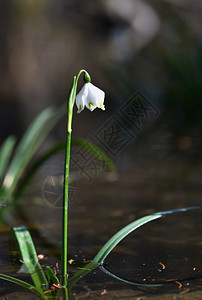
column 95, row 97
column 81, row 98
column 91, row 97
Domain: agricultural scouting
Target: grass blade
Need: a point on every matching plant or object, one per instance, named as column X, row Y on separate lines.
column 117, row 238
column 128, row 281
column 57, row 148
column 30, row 259
column 27, row 147
column 97, row 152
column 5, row 154
column 81, row 273
column 120, row 235
column 21, row 283
column 52, row 278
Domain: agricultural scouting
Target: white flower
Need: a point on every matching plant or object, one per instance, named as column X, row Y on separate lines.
column 91, row 97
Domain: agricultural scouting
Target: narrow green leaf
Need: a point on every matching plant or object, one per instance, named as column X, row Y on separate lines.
column 110, row 245
column 52, row 278
column 96, row 151
column 32, row 139
column 21, row 283
column 120, row 235
column 57, row 148
column 36, row 165
column 30, row 259
column 81, row 273
column 128, row 281
column 117, row 238
column 5, row 154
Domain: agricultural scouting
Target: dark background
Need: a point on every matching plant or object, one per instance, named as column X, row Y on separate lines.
column 152, row 46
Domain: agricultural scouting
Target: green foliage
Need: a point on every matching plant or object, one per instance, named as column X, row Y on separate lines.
column 97, row 152
column 120, row 235
column 13, row 167
column 42, row 281
column 21, row 237
column 51, row 276
column 29, row 257
column 115, row 240
column 5, row 154
column 20, row 283
column 14, row 164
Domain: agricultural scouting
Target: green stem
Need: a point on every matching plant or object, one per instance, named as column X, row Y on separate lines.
column 70, row 105
column 65, row 212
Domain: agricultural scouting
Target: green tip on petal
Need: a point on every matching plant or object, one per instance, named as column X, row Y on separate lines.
column 90, row 104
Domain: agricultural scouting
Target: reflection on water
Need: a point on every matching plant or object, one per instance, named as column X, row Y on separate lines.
column 167, row 250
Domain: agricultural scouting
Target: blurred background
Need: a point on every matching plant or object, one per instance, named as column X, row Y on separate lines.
column 151, row 46
column 140, row 53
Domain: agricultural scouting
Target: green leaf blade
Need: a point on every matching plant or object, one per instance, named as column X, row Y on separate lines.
column 20, row 283
column 29, row 144
column 96, row 151
column 121, row 234
column 30, row 259
column 5, row 154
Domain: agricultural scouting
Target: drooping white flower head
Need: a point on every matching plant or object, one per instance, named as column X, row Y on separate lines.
column 91, row 97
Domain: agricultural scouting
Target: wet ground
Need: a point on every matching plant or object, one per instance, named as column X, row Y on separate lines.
column 166, row 251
